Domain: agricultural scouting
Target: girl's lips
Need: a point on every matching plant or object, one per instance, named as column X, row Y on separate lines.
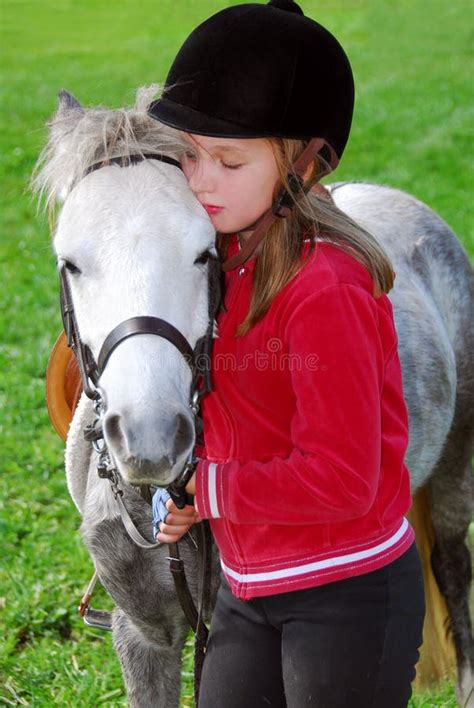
column 212, row 209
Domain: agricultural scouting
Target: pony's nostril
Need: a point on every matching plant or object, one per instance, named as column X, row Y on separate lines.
column 183, row 434
column 113, row 429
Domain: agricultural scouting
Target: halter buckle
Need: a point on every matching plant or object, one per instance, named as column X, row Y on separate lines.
column 194, row 405
column 285, row 199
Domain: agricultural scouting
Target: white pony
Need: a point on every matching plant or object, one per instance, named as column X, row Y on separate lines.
column 133, row 242
column 132, row 239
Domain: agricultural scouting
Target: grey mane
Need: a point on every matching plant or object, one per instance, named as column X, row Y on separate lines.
column 80, row 137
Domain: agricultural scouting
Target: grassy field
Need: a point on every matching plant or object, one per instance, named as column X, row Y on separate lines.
column 411, row 129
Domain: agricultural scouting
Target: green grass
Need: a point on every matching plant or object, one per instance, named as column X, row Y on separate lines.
column 411, row 130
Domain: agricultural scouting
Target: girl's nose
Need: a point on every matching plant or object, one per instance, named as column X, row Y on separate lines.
column 199, row 176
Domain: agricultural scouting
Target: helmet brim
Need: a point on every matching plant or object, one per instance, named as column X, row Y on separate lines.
column 191, row 121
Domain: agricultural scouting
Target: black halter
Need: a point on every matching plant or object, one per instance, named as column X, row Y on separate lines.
column 127, row 160
column 197, row 358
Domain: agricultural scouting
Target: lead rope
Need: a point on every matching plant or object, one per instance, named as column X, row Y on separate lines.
column 204, row 593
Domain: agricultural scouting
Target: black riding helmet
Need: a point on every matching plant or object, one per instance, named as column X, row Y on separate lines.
column 254, row 71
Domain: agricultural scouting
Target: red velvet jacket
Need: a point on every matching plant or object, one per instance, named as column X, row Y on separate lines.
column 305, row 432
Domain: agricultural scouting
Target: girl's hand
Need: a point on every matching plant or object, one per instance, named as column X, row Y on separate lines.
column 191, row 485
column 178, row 522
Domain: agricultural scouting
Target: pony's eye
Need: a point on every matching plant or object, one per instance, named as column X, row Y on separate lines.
column 71, row 268
column 203, row 258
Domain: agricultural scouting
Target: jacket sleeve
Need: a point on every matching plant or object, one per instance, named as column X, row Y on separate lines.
column 333, row 471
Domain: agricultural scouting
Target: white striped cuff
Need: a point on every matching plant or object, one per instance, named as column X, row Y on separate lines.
column 209, row 493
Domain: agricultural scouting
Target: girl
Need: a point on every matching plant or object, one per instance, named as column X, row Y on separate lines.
column 302, row 476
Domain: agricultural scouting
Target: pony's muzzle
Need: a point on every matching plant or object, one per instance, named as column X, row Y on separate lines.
column 148, row 458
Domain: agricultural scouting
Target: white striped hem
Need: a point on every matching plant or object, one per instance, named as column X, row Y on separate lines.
column 212, row 490
column 318, row 565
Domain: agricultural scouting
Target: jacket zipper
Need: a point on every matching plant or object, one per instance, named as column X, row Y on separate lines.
column 231, row 535
column 242, row 273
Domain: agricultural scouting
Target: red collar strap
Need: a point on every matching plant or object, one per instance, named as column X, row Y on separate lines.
column 283, row 205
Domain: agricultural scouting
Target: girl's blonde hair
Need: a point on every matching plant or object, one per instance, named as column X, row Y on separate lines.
column 279, row 255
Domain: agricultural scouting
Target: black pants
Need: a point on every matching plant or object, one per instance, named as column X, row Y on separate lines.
column 349, row 644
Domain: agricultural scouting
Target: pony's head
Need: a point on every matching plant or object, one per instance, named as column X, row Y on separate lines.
column 133, row 241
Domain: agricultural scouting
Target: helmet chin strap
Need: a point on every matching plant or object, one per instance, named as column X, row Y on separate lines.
column 283, row 205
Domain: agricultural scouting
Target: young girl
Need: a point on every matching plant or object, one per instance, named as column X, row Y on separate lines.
column 302, row 476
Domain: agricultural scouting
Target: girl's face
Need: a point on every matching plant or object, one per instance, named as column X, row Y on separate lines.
column 233, row 178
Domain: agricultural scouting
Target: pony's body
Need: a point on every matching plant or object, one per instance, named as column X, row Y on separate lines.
column 137, row 232
column 433, row 308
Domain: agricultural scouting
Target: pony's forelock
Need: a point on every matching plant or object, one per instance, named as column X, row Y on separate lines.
column 79, row 138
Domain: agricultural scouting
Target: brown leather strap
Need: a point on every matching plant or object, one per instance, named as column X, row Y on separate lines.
column 251, row 244
column 143, row 325
column 204, row 591
column 127, row 160
column 322, row 192
column 182, row 588
column 194, row 614
column 312, row 149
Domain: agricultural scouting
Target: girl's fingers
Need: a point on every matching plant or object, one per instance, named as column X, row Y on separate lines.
column 171, row 534
column 181, row 519
column 175, row 529
column 166, row 538
column 178, row 522
column 177, row 517
column 171, row 506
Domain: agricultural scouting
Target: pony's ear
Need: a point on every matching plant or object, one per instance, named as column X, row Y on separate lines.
column 60, row 161
column 67, row 102
column 63, row 123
